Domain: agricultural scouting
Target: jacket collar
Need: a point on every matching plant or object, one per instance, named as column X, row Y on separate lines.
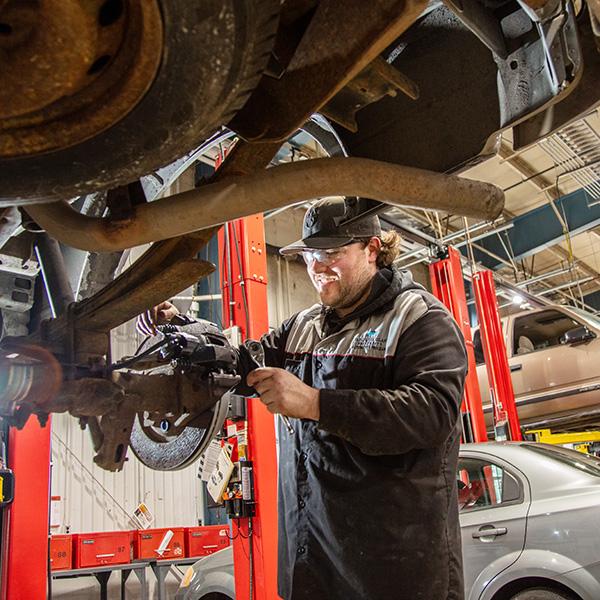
column 387, row 284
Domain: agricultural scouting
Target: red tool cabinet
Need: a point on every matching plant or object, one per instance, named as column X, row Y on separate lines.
column 61, row 552
column 201, row 541
column 101, row 548
column 147, row 541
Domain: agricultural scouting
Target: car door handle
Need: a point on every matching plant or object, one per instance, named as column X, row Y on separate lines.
column 514, row 368
column 489, row 532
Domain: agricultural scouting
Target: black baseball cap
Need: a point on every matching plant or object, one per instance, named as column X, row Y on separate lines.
column 322, row 229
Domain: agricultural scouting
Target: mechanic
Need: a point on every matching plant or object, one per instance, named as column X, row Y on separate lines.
column 372, row 381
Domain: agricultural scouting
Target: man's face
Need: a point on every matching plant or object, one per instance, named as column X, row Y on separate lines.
column 340, row 276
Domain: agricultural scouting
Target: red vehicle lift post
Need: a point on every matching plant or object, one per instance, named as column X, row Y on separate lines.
column 242, row 254
column 448, row 286
column 506, row 419
column 25, row 525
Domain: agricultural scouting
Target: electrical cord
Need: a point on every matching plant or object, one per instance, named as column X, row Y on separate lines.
column 250, row 533
column 133, row 359
column 251, row 558
column 239, row 531
column 144, row 341
column 227, row 257
column 244, row 537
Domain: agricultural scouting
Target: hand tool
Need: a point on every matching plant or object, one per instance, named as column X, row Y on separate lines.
column 257, row 352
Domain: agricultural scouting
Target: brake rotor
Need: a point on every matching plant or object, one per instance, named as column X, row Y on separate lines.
column 165, row 446
column 72, row 68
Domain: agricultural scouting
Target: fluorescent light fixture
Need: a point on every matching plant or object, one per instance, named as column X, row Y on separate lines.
column 517, row 299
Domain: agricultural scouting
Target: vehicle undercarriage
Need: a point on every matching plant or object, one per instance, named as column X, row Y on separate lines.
column 94, row 129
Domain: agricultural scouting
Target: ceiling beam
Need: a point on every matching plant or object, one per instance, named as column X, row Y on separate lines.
column 542, row 183
column 542, row 227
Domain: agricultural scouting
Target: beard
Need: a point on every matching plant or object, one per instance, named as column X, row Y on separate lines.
column 343, row 294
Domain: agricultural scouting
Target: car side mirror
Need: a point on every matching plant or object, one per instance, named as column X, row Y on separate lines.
column 579, row 335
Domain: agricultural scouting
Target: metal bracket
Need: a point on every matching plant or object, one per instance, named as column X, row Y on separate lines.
column 376, row 80
column 482, row 22
column 122, row 200
column 538, row 69
column 17, row 282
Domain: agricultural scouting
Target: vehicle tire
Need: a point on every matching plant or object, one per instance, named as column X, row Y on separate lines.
column 213, row 56
column 541, row 594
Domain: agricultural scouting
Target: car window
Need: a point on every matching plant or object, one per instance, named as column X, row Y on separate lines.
column 578, row 460
column 484, row 484
column 541, row 330
column 478, row 348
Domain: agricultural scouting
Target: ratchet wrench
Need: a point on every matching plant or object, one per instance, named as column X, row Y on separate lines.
column 257, row 352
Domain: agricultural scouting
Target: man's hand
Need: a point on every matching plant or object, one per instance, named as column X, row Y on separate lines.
column 161, row 314
column 283, row 393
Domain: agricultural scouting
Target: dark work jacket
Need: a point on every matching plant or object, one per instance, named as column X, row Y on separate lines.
column 368, row 504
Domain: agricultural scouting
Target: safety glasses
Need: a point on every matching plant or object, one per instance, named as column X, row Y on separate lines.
column 325, row 256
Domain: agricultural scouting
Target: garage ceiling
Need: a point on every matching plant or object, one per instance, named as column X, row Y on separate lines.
column 551, row 186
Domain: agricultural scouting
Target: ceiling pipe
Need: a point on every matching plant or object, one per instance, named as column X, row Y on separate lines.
column 270, row 189
column 463, row 232
column 564, row 286
column 482, row 236
column 542, row 277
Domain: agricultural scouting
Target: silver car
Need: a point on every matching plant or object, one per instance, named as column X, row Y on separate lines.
column 530, row 522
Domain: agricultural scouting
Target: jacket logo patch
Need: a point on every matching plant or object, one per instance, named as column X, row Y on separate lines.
column 368, row 341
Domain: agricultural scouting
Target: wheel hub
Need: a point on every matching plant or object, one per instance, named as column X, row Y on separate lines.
column 72, row 68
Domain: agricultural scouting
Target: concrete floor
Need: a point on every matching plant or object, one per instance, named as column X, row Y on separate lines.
column 87, row 588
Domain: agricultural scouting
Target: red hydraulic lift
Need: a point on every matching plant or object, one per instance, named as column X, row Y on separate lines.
column 242, row 253
column 24, row 541
column 25, row 524
column 448, row 286
column 506, row 419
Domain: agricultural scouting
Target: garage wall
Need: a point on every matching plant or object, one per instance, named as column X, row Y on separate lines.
column 289, row 289
column 96, row 500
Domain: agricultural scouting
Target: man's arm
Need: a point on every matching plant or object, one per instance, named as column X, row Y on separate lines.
column 274, row 344
column 430, row 365
column 161, row 314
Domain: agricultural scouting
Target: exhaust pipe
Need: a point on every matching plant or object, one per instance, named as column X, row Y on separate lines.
column 266, row 190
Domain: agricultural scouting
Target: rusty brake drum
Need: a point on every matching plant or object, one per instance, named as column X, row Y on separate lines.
column 130, row 85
